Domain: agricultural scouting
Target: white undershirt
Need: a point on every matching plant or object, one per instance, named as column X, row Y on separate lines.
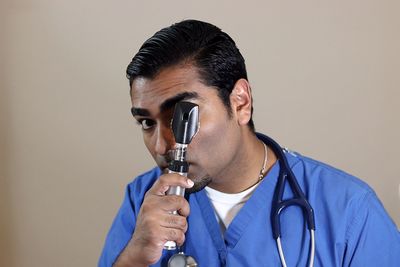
column 226, row 206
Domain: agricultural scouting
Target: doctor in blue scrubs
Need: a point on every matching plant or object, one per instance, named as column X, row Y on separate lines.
column 225, row 217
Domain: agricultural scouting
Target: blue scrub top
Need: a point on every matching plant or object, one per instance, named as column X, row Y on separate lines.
column 352, row 226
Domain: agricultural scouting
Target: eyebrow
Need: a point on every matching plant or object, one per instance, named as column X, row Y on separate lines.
column 171, row 102
column 167, row 104
column 140, row 112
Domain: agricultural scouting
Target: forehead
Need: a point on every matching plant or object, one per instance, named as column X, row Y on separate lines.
column 150, row 93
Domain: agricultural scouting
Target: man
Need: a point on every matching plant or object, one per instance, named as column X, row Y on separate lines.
column 225, row 218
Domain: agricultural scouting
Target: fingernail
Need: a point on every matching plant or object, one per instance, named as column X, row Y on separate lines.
column 190, row 182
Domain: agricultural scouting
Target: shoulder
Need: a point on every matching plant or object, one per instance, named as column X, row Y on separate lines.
column 325, row 177
column 332, row 193
column 141, row 184
column 146, row 179
column 341, row 199
column 312, row 174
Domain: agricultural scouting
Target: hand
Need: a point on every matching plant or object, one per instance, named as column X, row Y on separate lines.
column 155, row 224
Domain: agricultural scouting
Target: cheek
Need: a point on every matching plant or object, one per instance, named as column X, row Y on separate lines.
column 148, row 143
column 212, row 143
column 210, row 137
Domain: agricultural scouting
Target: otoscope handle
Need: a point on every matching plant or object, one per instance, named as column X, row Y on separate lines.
column 176, row 190
column 179, row 191
column 179, row 167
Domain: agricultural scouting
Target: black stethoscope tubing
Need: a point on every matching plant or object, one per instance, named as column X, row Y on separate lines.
column 278, row 204
column 299, row 199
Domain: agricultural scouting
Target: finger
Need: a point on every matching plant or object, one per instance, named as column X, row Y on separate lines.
column 155, row 206
column 174, row 221
column 171, row 179
column 170, row 203
column 172, row 234
column 184, row 210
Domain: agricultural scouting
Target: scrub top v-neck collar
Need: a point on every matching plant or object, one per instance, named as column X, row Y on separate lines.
column 259, row 200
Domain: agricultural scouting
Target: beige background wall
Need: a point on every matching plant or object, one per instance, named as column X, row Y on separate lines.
column 325, row 76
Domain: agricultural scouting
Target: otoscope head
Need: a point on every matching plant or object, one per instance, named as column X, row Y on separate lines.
column 185, row 122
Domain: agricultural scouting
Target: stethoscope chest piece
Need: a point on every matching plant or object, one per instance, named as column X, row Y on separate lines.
column 181, row 260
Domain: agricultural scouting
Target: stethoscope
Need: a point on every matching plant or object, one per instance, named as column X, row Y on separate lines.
column 278, row 204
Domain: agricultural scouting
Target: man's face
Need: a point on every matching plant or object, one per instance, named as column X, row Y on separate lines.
column 213, row 149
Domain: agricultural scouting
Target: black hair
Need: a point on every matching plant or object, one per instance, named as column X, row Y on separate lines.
column 213, row 52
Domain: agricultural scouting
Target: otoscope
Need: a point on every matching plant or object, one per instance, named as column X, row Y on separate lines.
column 184, row 124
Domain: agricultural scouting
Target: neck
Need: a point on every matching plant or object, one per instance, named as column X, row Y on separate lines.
column 244, row 169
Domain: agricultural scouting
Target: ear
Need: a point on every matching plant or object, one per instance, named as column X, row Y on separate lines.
column 241, row 101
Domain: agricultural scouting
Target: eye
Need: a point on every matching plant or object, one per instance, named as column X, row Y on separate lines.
column 146, row 123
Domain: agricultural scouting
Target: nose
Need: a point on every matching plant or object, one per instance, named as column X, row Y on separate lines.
column 165, row 140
